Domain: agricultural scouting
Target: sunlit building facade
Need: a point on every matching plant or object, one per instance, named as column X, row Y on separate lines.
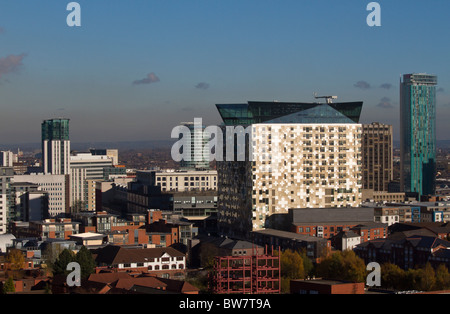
column 299, row 155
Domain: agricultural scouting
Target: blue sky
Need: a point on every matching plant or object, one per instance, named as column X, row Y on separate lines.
column 137, row 68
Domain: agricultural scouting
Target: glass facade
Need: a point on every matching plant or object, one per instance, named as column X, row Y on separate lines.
column 259, row 112
column 55, row 129
column 418, row 133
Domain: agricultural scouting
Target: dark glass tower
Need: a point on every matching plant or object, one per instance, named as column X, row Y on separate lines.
column 418, row 133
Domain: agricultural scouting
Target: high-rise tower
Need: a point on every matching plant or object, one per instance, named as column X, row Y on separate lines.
column 418, row 133
column 298, row 155
column 55, row 146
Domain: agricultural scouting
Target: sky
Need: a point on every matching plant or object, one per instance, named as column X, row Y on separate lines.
column 135, row 69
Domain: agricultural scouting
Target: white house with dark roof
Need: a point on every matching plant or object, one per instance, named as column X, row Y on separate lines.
column 166, row 262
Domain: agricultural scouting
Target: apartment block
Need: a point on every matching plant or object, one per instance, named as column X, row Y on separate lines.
column 298, row 155
column 6, row 198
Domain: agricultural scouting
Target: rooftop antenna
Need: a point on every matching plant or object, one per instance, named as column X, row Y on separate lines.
column 328, row 98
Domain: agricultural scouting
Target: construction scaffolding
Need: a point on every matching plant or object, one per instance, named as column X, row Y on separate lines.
column 255, row 274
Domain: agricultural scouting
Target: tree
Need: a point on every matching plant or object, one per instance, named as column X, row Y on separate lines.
column 86, row 261
column 307, row 264
column 427, row 278
column 354, row 267
column 343, row 266
column 292, row 265
column 8, row 286
column 16, row 259
column 60, row 265
column 392, row 276
column 442, row 277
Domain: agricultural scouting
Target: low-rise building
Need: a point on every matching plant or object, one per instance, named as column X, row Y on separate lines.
column 405, row 251
column 162, row 262
column 315, row 247
column 323, row 286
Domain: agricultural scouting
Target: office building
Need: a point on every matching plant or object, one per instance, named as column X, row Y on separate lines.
column 299, row 155
column 188, row 193
column 180, row 181
column 85, row 169
column 56, row 186
column 55, row 146
column 111, row 153
column 7, row 158
column 418, row 133
column 377, row 156
column 30, row 202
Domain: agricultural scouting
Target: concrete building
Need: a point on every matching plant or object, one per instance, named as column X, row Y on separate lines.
column 85, row 169
column 6, row 198
column 111, row 153
column 7, row 159
column 179, row 181
column 56, row 186
column 369, row 195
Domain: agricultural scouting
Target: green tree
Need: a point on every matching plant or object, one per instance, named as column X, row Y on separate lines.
column 60, row 265
column 442, row 277
column 392, row 276
column 8, row 286
column 354, row 267
column 307, row 264
column 292, row 265
column 16, row 259
column 427, row 278
column 342, row 266
column 86, row 261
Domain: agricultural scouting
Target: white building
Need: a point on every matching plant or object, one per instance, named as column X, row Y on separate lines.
column 56, row 186
column 6, row 198
column 85, row 169
column 180, row 181
column 7, row 158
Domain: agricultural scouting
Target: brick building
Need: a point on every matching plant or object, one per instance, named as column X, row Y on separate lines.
column 321, row 286
column 405, row 251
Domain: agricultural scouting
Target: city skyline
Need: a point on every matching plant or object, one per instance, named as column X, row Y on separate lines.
column 133, row 71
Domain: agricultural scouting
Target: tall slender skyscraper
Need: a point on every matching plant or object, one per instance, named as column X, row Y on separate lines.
column 55, row 146
column 418, row 133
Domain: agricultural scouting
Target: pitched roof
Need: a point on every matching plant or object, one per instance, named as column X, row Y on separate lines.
column 108, row 277
column 178, row 285
column 149, row 282
column 124, row 281
column 114, row 254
